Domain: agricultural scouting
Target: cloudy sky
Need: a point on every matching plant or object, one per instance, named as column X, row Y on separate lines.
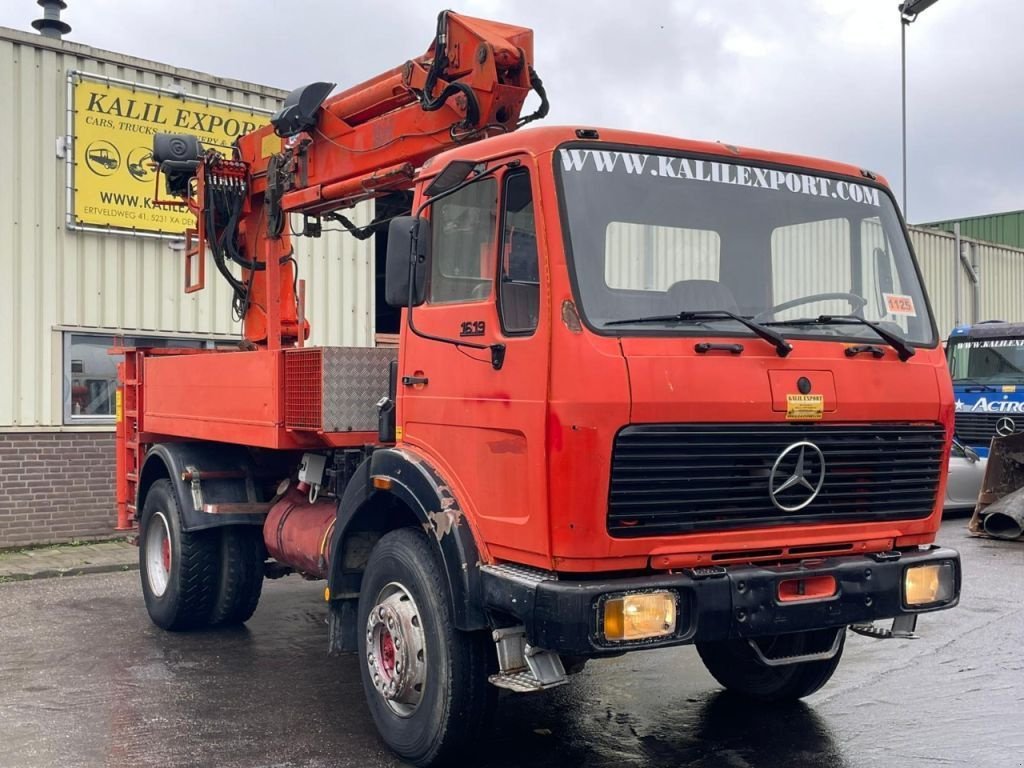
column 818, row 77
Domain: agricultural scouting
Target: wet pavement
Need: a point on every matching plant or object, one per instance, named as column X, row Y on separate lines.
column 87, row 680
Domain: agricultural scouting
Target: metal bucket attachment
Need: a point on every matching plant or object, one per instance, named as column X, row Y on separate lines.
column 1000, row 509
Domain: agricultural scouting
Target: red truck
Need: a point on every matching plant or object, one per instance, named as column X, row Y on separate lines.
column 647, row 392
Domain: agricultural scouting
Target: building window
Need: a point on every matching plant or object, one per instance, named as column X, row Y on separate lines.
column 90, row 373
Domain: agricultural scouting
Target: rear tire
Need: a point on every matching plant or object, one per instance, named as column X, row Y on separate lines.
column 439, row 694
column 179, row 570
column 241, row 575
column 735, row 665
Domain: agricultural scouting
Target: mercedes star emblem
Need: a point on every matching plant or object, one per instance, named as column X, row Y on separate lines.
column 800, row 466
column 1005, row 426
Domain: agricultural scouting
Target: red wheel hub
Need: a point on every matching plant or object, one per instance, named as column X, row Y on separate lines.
column 165, row 553
column 387, row 653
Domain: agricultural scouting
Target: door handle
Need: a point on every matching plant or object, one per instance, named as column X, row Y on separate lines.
column 412, row 381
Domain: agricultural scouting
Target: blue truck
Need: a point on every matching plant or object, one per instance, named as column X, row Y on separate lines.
column 986, row 362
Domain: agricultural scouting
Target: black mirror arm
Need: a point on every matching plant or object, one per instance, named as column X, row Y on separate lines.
column 497, row 350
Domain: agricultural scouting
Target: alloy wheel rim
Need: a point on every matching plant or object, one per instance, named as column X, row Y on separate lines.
column 396, row 653
column 158, row 554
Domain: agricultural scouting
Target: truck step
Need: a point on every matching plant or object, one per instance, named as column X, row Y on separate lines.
column 523, row 668
column 523, row 681
column 524, row 574
column 903, row 628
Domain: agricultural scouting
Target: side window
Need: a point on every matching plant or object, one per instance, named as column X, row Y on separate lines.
column 462, row 253
column 519, row 289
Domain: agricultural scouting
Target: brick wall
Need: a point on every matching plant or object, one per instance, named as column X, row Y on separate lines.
column 56, row 486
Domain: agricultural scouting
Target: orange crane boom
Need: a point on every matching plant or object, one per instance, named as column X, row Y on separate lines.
column 318, row 156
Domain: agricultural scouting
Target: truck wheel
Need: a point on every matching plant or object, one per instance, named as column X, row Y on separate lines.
column 179, row 570
column 241, row 575
column 735, row 665
column 425, row 681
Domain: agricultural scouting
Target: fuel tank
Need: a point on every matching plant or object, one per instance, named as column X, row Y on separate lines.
column 298, row 533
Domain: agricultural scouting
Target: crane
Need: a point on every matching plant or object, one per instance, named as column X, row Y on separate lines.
column 319, row 155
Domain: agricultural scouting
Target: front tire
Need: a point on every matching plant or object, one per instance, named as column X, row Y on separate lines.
column 735, row 665
column 425, row 681
column 179, row 570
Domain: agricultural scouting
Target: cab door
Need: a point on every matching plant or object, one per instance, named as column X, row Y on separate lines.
column 485, row 427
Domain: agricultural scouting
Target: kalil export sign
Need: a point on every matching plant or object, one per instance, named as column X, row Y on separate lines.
column 112, row 178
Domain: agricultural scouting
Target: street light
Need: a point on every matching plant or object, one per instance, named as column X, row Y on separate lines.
column 908, row 15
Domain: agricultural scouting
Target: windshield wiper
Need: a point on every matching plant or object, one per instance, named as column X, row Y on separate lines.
column 973, row 385
column 903, row 350
column 782, row 347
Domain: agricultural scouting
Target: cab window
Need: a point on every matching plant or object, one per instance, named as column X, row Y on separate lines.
column 519, row 288
column 464, row 228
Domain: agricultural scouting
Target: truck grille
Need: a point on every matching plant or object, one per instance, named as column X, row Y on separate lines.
column 977, row 428
column 677, row 478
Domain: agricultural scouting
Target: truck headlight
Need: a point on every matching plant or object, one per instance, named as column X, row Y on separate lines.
column 639, row 616
column 929, row 584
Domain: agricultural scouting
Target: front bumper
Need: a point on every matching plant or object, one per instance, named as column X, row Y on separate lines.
column 718, row 603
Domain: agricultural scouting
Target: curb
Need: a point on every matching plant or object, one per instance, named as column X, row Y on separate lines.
column 80, row 570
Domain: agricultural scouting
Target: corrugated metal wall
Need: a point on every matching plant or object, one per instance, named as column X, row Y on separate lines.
column 936, row 254
column 54, row 278
column 1000, row 291
column 1002, row 228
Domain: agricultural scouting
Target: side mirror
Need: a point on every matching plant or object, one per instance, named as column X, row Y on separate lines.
column 968, row 453
column 404, row 234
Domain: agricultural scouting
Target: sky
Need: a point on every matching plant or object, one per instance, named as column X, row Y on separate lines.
column 814, row 77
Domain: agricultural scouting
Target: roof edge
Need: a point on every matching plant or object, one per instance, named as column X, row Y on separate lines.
column 942, row 222
column 87, row 51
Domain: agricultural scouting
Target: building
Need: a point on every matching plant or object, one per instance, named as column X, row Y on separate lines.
column 988, row 272
column 87, row 261
column 1001, row 228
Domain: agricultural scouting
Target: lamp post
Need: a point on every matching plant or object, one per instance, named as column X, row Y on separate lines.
column 908, row 14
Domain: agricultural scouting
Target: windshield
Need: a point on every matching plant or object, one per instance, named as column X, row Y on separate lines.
column 653, row 235
column 987, row 361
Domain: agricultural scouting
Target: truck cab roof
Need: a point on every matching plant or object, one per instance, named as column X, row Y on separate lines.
column 541, row 140
column 988, row 329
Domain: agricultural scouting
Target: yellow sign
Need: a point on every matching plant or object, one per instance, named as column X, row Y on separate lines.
column 808, row 407
column 113, row 143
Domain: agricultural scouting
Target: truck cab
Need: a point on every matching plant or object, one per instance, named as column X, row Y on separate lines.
column 986, row 363
column 637, row 420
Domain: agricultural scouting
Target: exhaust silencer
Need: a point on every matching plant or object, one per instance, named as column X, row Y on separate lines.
column 298, row 534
